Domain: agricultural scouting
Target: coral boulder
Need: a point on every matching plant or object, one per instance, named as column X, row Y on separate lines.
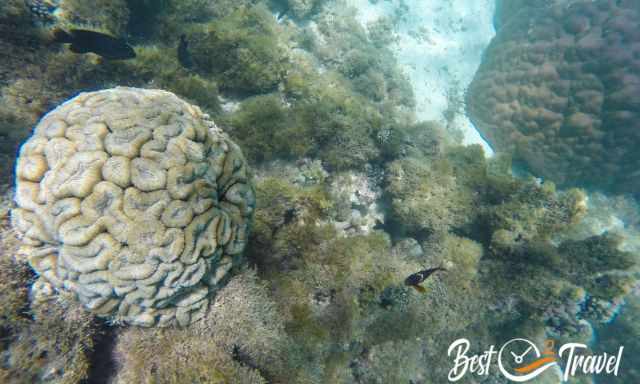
column 134, row 201
column 558, row 87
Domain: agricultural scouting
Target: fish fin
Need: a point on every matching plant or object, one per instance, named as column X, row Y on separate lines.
column 62, row 36
column 76, row 49
column 419, row 288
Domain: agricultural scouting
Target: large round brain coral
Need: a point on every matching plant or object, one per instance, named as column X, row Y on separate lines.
column 559, row 87
column 136, row 202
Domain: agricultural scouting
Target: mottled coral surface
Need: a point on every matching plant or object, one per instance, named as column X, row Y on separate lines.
column 353, row 196
column 559, row 88
column 136, row 202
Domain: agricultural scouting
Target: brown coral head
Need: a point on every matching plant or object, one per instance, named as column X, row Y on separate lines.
column 558, row 88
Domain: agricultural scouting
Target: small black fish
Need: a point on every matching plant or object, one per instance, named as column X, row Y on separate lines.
column 415, row 279
column 184, row 56
column 83, row 41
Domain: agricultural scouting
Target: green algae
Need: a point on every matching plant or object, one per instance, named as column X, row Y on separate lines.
column 112, row 16
column 241, row 339
column 341, row 298
column 425, row 197
column 241, row 50
column 47, row 339
column 51, row 340
column 268, row 129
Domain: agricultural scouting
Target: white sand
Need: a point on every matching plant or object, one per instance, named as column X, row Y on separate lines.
column 440, row 43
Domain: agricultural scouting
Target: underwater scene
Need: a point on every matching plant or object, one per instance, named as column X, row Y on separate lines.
column 320, row 191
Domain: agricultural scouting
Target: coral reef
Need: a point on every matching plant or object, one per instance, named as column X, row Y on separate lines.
column 111, row 16
column 623, row 330
column 165, row 20
column 529, row 211
column 134, row 201
column 53, row 342
column 357, row 207
column 619, row 215
column 426, row 197
column 302, row 8
column 266, row 67
column 240, row 340
column 159, row 66
column 176, row 356
column 562, row 292
column 317, row 116
column 251, row 57
column 21, row 45
column 14, row 275
column 506, row 9
column 391, row 362
column 50, row 340
column 352, row 196
column 344, row 113
column 543, row 94
column 341, row 43
column 244, row 322
column 456, row 188
column 268, row 129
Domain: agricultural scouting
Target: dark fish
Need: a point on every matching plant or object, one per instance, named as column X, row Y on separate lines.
column 83, row 41
column 417, row 278
column 43, row 10
column 184, row 56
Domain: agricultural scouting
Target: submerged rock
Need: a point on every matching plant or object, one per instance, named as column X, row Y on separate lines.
column 136, row 202
column 558, row 89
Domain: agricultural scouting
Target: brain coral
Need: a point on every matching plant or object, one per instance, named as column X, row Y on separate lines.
column 559, row 87
column 136, row 202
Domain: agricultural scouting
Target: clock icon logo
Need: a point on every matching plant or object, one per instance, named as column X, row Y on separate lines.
column 526, row 358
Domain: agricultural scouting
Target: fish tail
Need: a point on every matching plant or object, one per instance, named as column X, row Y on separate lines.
column 62, row 36
column 419, row 288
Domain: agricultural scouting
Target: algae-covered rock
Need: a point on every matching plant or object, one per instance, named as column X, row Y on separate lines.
column 240, row 340
column 563, row 291
column 54, row 343
column 171, row 356
column 427, row 196
column 110, row 15
column 623, row 330
column 508, row 9
column 242, row 50
column 528, row 210
column 50, row 340
column 302, row 8
column 136, row 202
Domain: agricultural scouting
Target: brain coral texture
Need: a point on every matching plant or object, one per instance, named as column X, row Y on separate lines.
column 560, row 88
column 136, row 202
